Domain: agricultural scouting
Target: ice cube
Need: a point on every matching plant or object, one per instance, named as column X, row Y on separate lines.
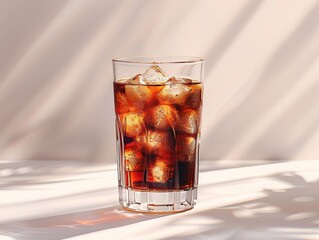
column 137, row 96
column 188, row 121
column 140, row 142
column 162, row 117
column 187, row 80
column 121, row 103
column 174, row 94
column 155, row 75
column 123, row 80
column 174, row 80
column 160, row 143
column 160, row 171
column 194, row 98
column 133, row 160
column 186, row 148
column 133, row 124
column 138, row 79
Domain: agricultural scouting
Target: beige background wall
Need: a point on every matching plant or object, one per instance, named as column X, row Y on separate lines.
column 262, row 73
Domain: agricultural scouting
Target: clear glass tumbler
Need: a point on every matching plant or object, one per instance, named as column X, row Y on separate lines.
column 158, row 105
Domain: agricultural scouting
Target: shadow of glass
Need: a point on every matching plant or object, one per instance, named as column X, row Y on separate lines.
column 73, row 224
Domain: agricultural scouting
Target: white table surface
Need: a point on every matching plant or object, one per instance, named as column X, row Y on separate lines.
column 47, row 200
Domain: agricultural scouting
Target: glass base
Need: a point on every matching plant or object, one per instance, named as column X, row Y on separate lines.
column 158, row 201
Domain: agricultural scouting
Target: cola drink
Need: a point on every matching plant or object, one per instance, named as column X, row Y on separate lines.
column 159, row 124
column 158, row 120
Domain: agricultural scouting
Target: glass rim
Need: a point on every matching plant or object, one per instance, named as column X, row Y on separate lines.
column 157, row 59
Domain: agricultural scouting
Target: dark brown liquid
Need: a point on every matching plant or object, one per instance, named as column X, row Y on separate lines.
column 158, row 132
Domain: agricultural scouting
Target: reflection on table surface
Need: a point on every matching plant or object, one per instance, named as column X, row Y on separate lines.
column 50, row 200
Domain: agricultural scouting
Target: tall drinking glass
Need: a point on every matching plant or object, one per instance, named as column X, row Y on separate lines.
column 158, row 105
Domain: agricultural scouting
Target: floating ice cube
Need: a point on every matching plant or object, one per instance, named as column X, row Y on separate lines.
column 133, row 160
column 188, row 122
column 174, row 80
column 187, row 80
column 155, row 75
column 132, row 124
column 160, row 171
column 174, row 94
column 124, row 80
column 186, row 148
column 162, row 117
column 138, row 79
column 160, row 143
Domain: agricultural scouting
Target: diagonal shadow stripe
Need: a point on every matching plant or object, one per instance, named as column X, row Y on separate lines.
column 303, row 115
column 214, row 54
column 284, row 69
